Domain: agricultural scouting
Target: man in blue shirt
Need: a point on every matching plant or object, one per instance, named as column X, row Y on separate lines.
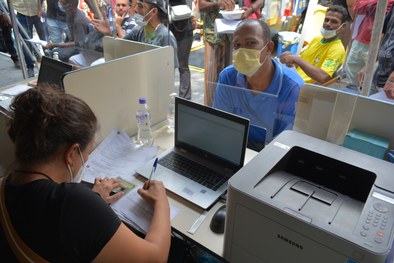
column 256, row 86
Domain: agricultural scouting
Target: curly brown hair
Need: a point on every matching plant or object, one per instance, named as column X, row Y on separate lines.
column 43, row 119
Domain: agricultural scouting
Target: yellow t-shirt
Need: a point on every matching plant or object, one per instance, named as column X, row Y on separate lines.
column 327, row 56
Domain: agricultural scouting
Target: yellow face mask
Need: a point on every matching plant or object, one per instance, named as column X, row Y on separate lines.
column 247, row 61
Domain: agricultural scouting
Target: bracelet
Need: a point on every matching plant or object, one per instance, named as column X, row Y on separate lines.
column 252, row 9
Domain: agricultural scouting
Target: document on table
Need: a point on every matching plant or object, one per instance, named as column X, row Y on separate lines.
column 137, row 212
column 15, row 90
column 6, row 96
column 117, row 156
column 381, row 95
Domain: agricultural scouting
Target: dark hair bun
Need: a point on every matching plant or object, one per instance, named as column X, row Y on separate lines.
column 44, row 118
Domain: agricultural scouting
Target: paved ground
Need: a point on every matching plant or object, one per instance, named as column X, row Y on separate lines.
column 10, row 75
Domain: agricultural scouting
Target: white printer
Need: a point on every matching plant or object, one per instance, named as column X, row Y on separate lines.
column 305, row 200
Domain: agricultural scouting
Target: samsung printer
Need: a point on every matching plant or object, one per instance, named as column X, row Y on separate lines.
column 305, row 200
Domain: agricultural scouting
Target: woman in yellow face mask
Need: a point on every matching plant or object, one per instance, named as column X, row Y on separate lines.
column 255, row 86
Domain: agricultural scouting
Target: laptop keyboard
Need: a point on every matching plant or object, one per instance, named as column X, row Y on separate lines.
column 193, row 170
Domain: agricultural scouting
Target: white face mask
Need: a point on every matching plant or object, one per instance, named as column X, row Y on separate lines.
column 78, row 177
column 326, row 33
column 140, row 20
column 61, row 8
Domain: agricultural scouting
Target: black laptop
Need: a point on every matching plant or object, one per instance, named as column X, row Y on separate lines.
column 209, row 148
column 52, row 71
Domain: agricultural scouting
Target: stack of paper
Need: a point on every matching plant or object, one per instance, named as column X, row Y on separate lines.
column 136, row 212
column 118, row 156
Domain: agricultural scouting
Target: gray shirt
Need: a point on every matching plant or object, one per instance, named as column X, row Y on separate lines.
column 79, row 26
column 162, row 36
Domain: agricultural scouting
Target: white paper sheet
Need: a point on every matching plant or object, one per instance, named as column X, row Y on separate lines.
column 117, row 156
column 381, row 95
column 137, row 212
column 15, row 90
column 6, row 96
column 38, row 41
column 225, row 26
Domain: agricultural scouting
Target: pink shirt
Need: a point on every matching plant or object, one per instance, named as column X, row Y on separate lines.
column 367, row 8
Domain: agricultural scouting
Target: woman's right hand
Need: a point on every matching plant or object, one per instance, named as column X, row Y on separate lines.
column 153, row 191
column 102, row 26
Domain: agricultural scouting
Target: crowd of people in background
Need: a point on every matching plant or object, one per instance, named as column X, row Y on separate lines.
column 74, row 31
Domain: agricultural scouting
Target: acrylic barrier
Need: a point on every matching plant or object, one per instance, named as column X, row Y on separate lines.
column 112, row 89
column 115, row 48
column 335, row 116
column 331, row 115
column 268, row 113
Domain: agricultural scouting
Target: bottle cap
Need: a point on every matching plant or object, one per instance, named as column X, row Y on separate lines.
column 142, row 100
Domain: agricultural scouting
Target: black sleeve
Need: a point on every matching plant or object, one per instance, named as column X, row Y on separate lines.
column 89, row 222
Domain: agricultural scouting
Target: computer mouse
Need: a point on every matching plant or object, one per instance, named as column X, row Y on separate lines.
column 218, row 219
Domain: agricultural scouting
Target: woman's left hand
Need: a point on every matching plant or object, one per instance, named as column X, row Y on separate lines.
column 104, row 186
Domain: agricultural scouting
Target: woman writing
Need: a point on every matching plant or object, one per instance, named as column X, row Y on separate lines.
column 58, row 219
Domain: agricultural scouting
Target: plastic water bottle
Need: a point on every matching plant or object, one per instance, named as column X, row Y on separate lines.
column 143, row 117
column 56, row 55
column 171, row 112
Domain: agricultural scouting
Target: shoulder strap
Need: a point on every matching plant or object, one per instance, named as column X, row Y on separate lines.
column 19, row 248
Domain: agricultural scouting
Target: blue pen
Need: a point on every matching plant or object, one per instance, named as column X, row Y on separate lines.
column 153, row 170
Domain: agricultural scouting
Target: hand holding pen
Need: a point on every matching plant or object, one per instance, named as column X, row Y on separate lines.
column 153, row 191
column 155, row 194
column 146, row 186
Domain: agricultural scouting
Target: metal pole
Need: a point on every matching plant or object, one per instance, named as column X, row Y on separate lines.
column 373, row 46
column 24, row 35
column 17, row 38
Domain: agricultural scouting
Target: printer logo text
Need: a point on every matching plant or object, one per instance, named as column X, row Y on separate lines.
column 290, row 241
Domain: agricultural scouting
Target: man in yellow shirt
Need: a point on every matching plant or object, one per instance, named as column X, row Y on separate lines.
column 325, row 54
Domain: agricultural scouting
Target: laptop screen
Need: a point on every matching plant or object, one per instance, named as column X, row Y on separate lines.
column 213, row 133
column 52, row 71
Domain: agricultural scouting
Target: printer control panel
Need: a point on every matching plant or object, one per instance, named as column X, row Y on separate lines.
column 376, row 222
